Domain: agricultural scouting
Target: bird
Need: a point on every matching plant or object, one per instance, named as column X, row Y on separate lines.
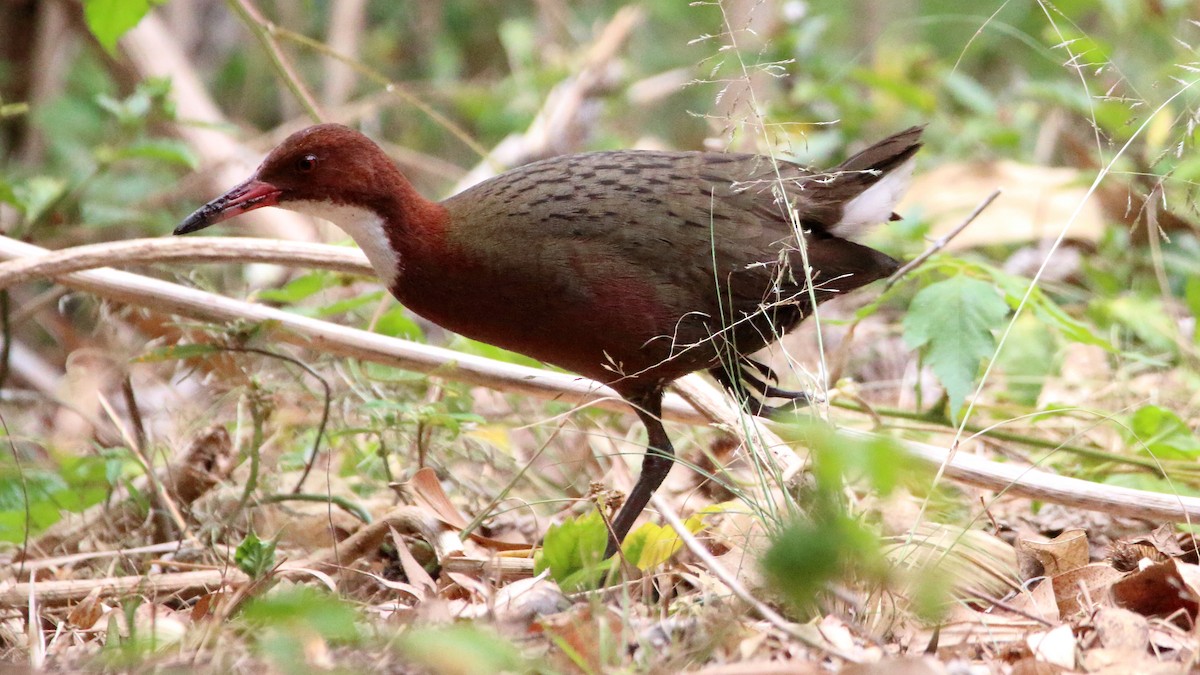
column 630, row 267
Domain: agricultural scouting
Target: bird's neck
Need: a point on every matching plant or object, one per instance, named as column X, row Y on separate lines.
column 392, row 229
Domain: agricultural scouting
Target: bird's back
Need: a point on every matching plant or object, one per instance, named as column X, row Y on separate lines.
column 630, row 266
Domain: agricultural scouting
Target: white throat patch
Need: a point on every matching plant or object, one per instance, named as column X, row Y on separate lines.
column 364, row 226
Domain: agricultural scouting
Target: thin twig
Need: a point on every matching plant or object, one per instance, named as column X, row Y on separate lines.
column 941, row 242
column 327, row 399
column 135, row 413
column 240, row 250
column 264, row 31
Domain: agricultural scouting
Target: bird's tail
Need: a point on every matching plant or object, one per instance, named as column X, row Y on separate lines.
column 876, row 178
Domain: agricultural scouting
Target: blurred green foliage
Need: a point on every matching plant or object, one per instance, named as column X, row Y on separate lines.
column 990, row 80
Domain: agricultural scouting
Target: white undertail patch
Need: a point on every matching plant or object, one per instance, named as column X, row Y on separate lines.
column 875, row 205
column 365, row 226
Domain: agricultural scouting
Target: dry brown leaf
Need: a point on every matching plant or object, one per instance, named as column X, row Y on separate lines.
column 965, row 626
column 416, row 574
column 1039, row 602
column 1036, row 202
column 583, row 632
column 1055, row 646
column 1120, row 662
column 1082, row 587
column 1121, row 629
column 1064, row 553
column 427, row 492
column 1163, row 590
column 970, row 561
column 88, row 611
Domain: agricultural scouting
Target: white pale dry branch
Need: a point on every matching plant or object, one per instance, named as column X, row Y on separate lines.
column 30, row 262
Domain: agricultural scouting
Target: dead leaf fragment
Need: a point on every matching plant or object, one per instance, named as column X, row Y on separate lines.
column 1121, row 629
column 88, row 611
column 1083, row 587
column 1066, row 552
column 924, row 665
column 1055, row 647
column 1163, row 590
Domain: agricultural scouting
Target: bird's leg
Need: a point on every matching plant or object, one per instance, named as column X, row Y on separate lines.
column 764, row 386
column 656, row 464
column 750, row 383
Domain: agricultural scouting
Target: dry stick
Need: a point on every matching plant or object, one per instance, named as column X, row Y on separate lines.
column 338, row 340
column 191, row 250
column 940, row 242
column 718, row 570
column 264, row 31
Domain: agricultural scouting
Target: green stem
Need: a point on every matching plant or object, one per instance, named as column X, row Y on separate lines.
column 1156, row 466
column 264, row 31
column 353, row 508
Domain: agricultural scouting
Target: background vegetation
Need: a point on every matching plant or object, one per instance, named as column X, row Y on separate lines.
column 1062, row 321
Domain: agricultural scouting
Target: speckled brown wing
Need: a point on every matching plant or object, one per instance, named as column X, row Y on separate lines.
column 660, row 251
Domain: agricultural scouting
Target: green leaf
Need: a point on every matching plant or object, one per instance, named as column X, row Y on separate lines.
column 397, row 323
column 652, row 545
column 461, row 648
column 38, row 195
column 1048, row 311
column 165, row 150
column 1162, row 434
column 255, row 556
column 304, row 607
column 573, row 553
column 110, row 19
column 951, row 322
column 297, row 289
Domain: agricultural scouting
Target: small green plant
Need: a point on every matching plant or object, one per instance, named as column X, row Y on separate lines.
column 254, row 556
column 828, row 544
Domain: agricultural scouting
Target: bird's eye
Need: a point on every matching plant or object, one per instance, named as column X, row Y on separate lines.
column 306, row 163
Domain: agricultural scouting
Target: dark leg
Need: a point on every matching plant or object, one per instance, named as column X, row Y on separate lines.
column 750, row 383
column 656, row 464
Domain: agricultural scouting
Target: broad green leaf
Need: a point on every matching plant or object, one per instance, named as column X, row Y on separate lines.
column 255, row 556
column 1048, row 311
column 397, row 323
column 460, row 648
column 305, row 608
column 573, row 553
column 1160, row 433
column 110, row 19
column 37, row 195
column 1191, row 295
column 165, row 150
column 951, row 322
column 1145, row 318
column 297, row 289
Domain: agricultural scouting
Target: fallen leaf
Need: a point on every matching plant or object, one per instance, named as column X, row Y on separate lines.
column 1055, row 646
column 1163, row 590
column 1121, row 629
column 1080, row 588
column 1064, row 553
